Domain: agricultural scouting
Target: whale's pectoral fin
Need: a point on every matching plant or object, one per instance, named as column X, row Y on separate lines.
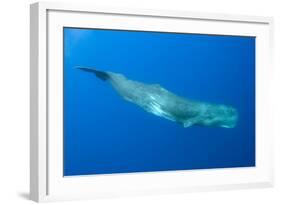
column 100, row 74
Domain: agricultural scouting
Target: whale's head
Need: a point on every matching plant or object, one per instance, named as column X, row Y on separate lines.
column 218, row 116
column 228, row 116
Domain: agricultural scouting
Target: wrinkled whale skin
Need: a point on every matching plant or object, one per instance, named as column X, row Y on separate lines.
column 157, row 100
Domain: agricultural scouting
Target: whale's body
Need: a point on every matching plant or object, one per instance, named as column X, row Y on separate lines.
column 157, row 100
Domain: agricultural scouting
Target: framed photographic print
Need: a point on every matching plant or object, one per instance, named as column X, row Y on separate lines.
column 130, row 102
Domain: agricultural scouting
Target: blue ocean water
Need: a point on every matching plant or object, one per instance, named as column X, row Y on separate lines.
column 105, row 134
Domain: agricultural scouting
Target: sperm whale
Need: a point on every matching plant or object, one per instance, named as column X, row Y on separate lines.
column 157, row 100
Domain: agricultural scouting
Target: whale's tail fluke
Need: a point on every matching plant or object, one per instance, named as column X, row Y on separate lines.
column 100, row 74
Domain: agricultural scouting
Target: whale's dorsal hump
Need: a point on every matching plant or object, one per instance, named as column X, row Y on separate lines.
column 156, row 86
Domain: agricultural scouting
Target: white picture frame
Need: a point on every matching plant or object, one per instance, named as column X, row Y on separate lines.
column 46, row 179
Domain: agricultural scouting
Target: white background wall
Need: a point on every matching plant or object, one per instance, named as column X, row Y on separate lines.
column 14, row 101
